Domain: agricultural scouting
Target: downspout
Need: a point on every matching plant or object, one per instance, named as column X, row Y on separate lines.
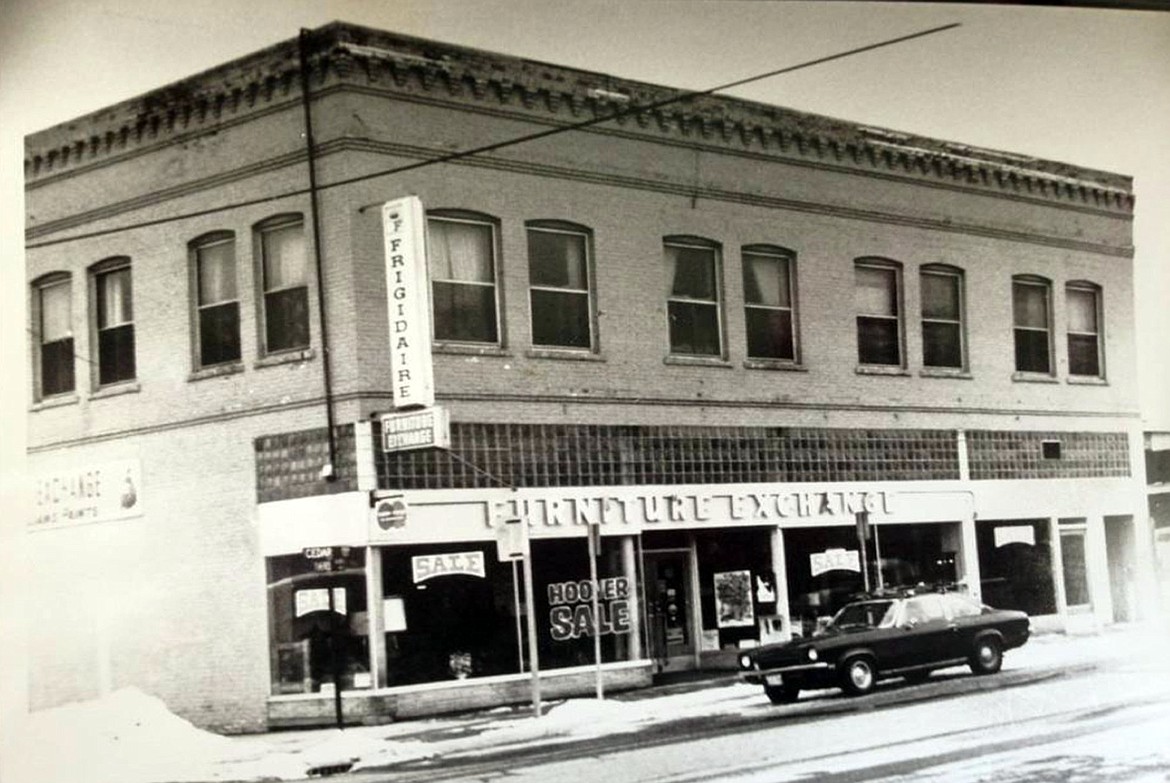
column 329, row 472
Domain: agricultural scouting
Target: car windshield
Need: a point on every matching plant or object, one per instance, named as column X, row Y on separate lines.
column 865, row 614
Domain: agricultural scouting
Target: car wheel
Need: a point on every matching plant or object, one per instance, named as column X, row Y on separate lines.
column 781, row 694
column 987, row 657
column 918, row 677
column 858, row 676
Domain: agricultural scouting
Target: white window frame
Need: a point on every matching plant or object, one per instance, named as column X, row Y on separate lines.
column 939, row 270
column 788, row 258
column 476, row 220
column 552, row 227
column 695, row 243
column 886, row 265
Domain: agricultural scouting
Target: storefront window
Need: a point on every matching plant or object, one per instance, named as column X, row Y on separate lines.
column 305, row 636
column 1015, row 562
column 736, row 585
column 564, row 603
column 449, row 613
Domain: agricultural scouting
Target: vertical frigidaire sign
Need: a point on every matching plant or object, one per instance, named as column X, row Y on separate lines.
column 408, row 302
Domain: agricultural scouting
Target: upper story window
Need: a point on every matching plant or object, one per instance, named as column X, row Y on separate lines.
column 284, row 272
column 559, row 289
column 942, row 317
column 877, row 299
column 769, row 305
column 461, row 253
column 53, row 316
column 693, row 298
column 1083, row 301
column 114, row 319
column 217, row 305
column 1032, row 319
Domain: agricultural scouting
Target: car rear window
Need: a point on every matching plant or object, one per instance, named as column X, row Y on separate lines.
column 962, row 606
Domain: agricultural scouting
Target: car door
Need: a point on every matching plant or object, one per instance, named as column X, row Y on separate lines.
column 927, row 637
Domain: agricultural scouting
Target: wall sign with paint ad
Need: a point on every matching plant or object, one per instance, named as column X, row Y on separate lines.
column 100, row 492
column 408, row 302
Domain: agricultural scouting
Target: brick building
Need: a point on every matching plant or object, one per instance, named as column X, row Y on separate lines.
column 730, row 336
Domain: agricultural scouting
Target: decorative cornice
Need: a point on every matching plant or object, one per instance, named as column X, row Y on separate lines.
column 358, row 55
column 578, row 175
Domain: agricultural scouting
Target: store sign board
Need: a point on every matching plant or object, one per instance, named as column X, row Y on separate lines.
column 645, row 509
column 834, row 560
column 316, row 599
column 408, row 302
column 98, row 492
column 571, row 608
column 425, row 567
column 428, row 428
column 1015, row 534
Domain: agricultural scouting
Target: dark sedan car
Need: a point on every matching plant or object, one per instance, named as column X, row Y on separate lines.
column 902, row 634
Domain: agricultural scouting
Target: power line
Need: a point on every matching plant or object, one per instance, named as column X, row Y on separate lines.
column 683, row 97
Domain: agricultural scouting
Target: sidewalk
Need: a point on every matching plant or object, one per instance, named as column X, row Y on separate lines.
column 131, row 738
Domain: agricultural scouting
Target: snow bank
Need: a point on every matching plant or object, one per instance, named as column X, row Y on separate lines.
column 131, row 737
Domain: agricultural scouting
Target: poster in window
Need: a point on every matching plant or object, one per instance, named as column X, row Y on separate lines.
column 733, row 599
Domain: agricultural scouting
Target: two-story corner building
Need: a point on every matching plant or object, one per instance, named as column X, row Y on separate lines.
column 771, row 357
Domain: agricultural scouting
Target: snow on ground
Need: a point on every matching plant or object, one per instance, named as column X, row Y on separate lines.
column 130, row 737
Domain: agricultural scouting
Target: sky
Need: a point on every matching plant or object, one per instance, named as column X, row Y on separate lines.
column 1086, row 86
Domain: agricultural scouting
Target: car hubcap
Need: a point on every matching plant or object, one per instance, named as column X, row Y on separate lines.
column 986, row 654
column 860, row 675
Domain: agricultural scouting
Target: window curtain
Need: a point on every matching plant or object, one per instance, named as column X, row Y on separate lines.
column 875, row 291
column 691, row 271
column 766, row 281
column 56, row 312
column 114, row 305
column 940, row 297
column 1030, row 304
column 460, row 251
column 284, row 257
column 1082, row 311
column 217, row 273
column 556, row 260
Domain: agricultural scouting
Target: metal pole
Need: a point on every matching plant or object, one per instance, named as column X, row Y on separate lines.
column 595, row 530
column 519, row 622
column 864, row 551
column 335, row 659
column 877, row 545
column 534, row 661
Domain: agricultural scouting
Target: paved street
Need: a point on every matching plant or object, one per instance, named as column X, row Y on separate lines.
column 1089, row 723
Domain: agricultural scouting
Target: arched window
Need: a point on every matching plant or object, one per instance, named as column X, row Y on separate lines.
column 216, row 299
column 1032, row 323
column 694, row 296
column 943, row 307
column 877, row 297
column 113, row 308
column 52, row 317
column 461, row 249
column 560, row 290
column 1085, row 347
column 769, row 275
column 284, row 283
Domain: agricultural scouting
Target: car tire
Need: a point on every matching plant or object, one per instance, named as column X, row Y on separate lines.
column 918, row 677
column 987, row 657
column 858, row 675
column 781, row 694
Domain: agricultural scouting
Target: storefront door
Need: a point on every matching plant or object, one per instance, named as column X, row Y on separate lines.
column 669, row 606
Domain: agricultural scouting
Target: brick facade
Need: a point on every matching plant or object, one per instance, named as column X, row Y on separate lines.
column 186, row 608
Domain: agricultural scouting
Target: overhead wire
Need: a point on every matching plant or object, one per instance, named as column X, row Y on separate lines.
column 453, row 156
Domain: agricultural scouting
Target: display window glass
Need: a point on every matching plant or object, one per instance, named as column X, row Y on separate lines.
column 305, row 636
column 449, row 613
